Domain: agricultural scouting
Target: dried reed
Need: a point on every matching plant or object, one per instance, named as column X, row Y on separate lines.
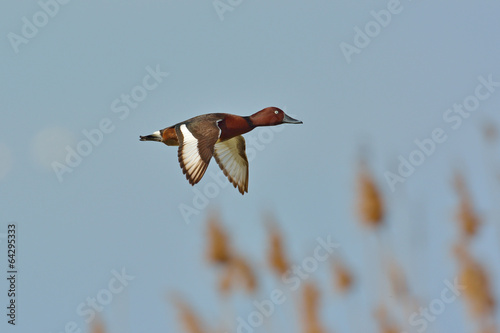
column 188, row 318
column 218, row 243
column 477, row 289
column 276, row 253
column 466, row 216
column 343, row 279
column 385, row 323
column 244, row 273
column 310, row 309
column 370, row 202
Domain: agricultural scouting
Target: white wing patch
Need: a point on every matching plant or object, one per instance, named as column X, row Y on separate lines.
column 192, row 164
column 232, row 159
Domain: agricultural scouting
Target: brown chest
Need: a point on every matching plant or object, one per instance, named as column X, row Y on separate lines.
column 232, row 126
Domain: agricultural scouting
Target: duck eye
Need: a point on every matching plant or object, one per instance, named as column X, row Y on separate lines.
column 276, row 112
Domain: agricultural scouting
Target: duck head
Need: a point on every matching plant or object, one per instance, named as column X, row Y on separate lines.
column 272, row 116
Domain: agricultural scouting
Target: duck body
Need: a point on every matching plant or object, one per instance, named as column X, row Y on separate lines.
column 218, row 135
column 230, row 126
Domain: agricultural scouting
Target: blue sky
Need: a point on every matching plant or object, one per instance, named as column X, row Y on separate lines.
column 120, row 205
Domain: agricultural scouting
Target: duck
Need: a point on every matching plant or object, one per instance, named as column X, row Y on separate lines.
column 217, row 135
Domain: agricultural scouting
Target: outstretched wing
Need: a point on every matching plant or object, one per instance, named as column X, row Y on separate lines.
column 196, row 147
column 232, row 159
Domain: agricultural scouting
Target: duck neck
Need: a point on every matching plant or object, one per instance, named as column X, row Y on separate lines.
column 256, row 120
column 250, row 122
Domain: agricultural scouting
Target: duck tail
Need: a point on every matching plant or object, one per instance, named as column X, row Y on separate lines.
column 156, row 136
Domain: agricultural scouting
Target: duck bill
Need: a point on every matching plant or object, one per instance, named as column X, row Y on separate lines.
column 289, row 120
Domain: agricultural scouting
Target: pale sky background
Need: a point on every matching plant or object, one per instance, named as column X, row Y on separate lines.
column 120, row 206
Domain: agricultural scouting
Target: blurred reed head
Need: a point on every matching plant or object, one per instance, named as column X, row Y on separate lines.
column 478, row 294
column 370, row 203
column 237, row 273
column 276, row 253
column 466, row 216
column 343, row 279
column 189, row 320
column 244, row 274
column 385, row 323
column 218, row 250
column 310, row 309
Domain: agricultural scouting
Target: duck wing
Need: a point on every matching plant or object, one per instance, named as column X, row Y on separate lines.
column 232, row 159
column 196, row 147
